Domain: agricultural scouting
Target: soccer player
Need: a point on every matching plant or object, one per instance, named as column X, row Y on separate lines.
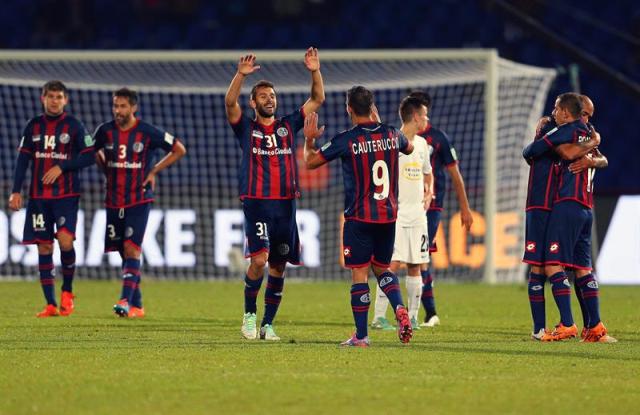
column 443, row 157
column 541, row 189
column 415, row 181
column 268, row 186
column 126, row 148
column 57, row 145
column 568, row 235
column 369, row 153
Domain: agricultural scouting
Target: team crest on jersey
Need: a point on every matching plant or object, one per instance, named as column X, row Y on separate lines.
column 283, row 249
column 61, row 221
column 347, row 252
column 282, row 132
column 35, row 138
column 128, row 232
column 138, row 147
column 554, row 248
column 530, row 246
column 65, row 138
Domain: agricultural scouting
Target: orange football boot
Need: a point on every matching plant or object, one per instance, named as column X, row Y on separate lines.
column 49, row 311
column 561, row 332
column 598, row 334
column 66, row 303
column 136, row 312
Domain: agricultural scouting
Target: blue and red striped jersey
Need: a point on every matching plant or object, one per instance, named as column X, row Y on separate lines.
column 443, row 155
column 542, row 177
column 369, row 154
column 576, row 187
column 268, row 169
column 54, row 141
column 129, row 156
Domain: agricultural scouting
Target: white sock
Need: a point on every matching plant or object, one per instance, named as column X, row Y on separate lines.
column 414, row 292
column 380, row 309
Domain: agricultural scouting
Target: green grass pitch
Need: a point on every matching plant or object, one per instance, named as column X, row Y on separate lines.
column 187, row 357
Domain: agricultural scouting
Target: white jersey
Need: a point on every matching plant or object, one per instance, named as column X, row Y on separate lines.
column 412, row 169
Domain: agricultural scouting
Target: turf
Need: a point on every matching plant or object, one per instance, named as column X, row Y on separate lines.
column 186, row 356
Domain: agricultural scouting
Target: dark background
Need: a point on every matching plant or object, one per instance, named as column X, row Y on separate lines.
column 606, row 31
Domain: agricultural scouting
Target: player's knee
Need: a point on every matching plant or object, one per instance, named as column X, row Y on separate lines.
column 259, row 261
column 45, row 249
column 131, row 251
column 277, row 269
column 65, row 240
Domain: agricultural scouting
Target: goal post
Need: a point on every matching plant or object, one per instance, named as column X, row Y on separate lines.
column 486, row 104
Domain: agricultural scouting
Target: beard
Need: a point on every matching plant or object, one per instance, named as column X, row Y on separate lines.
column 264, row 112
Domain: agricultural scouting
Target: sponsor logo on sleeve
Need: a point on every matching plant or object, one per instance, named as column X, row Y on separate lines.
column 168, row 138
column 88, row 140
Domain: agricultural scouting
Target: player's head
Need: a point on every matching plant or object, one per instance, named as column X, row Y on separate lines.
column 359, row 101
column 54, row 97
column 567, row 108
column 125, row 105
column 422, row 96
column 414, row 111
column 588, row 109
column 263, row 99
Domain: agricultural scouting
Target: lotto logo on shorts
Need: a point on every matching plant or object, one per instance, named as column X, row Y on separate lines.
column 530, row 246
column 554, row 248
column 347, row 251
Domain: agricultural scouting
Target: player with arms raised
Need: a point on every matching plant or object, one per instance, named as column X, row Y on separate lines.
column 58, row 146
column 268, row 186
column 126, row 150
column 369, row 152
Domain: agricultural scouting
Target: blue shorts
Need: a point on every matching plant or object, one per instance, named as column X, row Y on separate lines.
column 43, row 214
column 270, row 226
column 126, row 226
column 535, row 232
column 568, row 240
column 433, row 221
column 364, row 243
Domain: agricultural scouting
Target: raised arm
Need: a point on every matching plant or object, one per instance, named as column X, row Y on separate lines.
column 312, row 62
column 312, row 157
column 466, row 218
column 246, row 66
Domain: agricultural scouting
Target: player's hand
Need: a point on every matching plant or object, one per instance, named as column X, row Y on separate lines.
column 15, row 201
column 51, row 175
column 151, row 179
column 311, row 130
column 312, row 60
column 466, row 219
column 426, row 202
column 375, row 114
column 541, row 123
column 247, row 64
column 583, row 163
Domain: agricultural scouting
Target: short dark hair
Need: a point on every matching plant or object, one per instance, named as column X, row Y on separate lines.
column 130, row 94
column 360, row 100
column 422, row 96
column 571, row 102
column 260, row 84
column 54, row 86
column 409, row 106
